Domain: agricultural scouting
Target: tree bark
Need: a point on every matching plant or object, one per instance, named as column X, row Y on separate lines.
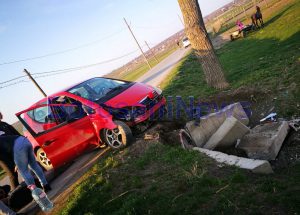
column 197, row 34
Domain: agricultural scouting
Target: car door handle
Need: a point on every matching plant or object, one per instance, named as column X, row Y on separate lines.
column 48, row 142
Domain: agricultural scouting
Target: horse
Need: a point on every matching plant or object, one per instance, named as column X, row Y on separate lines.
column 257, row 16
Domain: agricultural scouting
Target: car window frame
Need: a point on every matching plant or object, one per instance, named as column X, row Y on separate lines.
column 28, row 127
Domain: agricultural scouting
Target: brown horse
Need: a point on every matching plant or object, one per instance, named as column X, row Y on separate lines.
column 257, row 16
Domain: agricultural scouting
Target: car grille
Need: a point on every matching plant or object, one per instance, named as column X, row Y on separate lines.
column 149, row 103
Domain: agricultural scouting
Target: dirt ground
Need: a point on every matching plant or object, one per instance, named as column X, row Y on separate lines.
column 260, row 103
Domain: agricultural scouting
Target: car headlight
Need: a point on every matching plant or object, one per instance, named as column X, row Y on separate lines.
column 159, row 91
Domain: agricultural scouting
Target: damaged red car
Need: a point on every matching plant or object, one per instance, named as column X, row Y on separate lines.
column 96, row 112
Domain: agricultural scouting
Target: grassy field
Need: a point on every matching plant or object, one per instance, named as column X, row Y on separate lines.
column 170, row 180
column 143, row 68
column 152, row 178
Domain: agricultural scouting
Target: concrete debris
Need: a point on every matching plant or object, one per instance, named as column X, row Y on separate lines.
column 227, row 134
column 256, row 166
column 272, row 117
column 295, row 124
column 209, row 124
column 186, row 139
column 264, row 141
column 151, row 136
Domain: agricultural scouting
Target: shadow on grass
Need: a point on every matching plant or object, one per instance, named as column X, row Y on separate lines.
column 276, row 17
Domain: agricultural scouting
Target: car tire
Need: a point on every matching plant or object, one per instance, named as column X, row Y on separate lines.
column 119, row 137
column 43, row 160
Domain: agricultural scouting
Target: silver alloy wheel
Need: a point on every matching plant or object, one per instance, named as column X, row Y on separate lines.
column 114, row 137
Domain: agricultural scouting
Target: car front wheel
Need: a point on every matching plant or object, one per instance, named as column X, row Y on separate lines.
column 43, row 159
column 119, row 137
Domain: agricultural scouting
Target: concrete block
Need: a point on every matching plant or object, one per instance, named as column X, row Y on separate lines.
column 209, row 124
column 264, row 141
column 256, row 166
column 227, row 134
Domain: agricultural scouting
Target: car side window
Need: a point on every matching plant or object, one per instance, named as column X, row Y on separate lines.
column 70, row 109
column 40, row 119
column 41, row 114
column 60, row 110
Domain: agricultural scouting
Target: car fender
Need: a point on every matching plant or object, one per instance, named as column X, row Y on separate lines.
column 102, row 119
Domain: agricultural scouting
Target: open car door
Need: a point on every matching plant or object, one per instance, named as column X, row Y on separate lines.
column 62, row 131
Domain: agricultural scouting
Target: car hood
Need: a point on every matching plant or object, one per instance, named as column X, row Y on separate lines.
column 131, row 96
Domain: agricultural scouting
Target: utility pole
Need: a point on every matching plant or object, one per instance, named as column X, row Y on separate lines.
column 151, row 51
column 35, row 83
column 138, row 44
column 180, row 20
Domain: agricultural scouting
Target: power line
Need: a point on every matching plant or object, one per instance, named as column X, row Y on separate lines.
column 61, row 52
column 88, row 65
column 154, row 27
column 13, row 79
column 60, row 71
column 14, row 83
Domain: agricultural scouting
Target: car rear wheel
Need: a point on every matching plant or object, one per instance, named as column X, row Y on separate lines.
column 43, row 159
column 119, row 137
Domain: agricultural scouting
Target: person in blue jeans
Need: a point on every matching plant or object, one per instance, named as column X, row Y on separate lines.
column 20, row 150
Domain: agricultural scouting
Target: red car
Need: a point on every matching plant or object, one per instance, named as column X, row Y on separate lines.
column 90, row 114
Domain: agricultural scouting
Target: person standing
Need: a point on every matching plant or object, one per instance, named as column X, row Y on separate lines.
column 8, row 165
column 7, row 129
column 19, row 150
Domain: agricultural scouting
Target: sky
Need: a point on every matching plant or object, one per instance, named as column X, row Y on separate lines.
column 43, row 36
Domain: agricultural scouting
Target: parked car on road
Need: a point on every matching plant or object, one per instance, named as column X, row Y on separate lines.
column 90, row 114
column 185, row 42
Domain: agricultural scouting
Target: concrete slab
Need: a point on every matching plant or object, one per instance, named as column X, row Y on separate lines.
column 209, row 124
column 264, row 141
column 256, row 166
column 227, row 134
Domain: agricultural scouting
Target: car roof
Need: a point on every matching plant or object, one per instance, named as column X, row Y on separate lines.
column 70, row 87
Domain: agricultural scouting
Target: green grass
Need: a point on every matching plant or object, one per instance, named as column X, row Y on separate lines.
column 267, row 59
column 170, row 180
column 143, row 68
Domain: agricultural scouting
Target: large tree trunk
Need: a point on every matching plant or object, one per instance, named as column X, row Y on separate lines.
column 197, row 34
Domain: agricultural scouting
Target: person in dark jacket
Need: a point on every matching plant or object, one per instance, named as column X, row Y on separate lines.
column 8, row 165
column 7, row 129
column 19, row 149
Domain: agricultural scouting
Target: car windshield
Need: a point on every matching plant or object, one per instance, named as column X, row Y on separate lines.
column 97, row 88
column 185, row 39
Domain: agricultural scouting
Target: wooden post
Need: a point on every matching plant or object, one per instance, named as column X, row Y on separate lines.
column 35, row 83
column 138, row 44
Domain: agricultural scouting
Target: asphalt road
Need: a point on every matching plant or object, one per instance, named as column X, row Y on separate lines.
column 158, row 73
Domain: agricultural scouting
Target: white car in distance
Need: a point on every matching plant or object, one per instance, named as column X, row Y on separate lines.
column 185, row 42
